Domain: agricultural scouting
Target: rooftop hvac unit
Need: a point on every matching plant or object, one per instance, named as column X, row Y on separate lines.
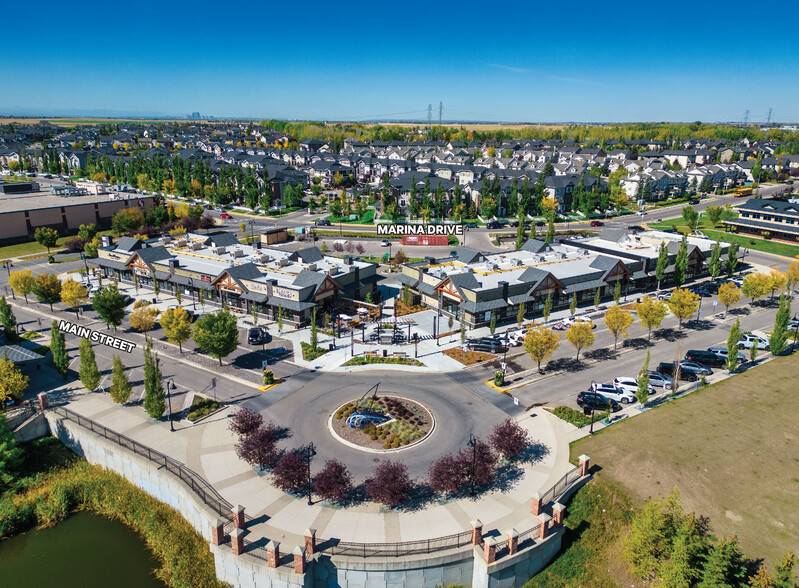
column 237, row 253
column 494, row 266
column 181, row 243
column 220, row 250
column 311, row 267
column 196, row 246
column 563, row 256
column 263, row 258
column 332, row 271
column 283, row 262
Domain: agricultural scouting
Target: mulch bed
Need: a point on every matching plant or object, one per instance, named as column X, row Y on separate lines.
column 470, row 358
column 358, row 437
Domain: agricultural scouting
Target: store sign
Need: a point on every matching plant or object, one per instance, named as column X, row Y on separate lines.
column 140, row 271
column 283, row 292
column 230, row 289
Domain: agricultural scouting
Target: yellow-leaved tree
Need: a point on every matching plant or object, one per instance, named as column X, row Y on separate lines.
column 580, row 334
column 651, row 313
column 21, row 282
column 683, row 303
column 729, row 294
column 177, row 326
column 618, row 321
column 73, row 294
column 756, row 286
column 540, row 343
column 143, row 317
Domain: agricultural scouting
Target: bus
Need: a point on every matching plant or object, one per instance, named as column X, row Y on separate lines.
column 743, row 192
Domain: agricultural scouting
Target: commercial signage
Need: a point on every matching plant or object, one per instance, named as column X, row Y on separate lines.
column 282, row 292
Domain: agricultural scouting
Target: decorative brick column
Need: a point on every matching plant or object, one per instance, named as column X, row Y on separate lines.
column 218, row 532
column 299, row 560
column 558, row 513
column 237, row 541
column 513, row 541
column 43, row 402
column 477, row 532
column 273, row 554
column 543, row 528
column 310, row 541
column 585, row 463
column 490, row 550
column 238, row 517
column 535, row 504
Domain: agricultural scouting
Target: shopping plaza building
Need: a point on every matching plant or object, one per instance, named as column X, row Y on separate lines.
column 242, row 277
column 475, row 285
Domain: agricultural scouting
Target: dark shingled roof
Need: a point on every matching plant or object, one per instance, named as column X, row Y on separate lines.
column 224, row 240
column 465, row 280
column 534, row 245
column 150, row 254
column 128, row 244
column 246, row 271
column 467, row 255
column 308, row 278
column 307, row 255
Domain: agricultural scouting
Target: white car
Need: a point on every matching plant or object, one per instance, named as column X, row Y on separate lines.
column 748, row 340
column 569, row 321
column 641, row 213
column 613, row 393
column 631, row 385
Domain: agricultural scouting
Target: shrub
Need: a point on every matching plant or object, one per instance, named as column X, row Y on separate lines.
column 333, row 482
column 389, row 484
column 75, row 244
column 291, row 472
column 509, row 438
column 244, row 420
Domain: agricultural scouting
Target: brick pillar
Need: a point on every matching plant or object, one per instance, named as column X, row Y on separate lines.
column 513, row 541
column 310, row 541
column 535, row 504
column 238, row 517
column 43, row 402
column 558, row 513
column 490, row 550
column 273, row 554
column 477, row 532
column 543, row 528
column 218, row 532
column 585, row 463
column 237, row 541
column 299, row 560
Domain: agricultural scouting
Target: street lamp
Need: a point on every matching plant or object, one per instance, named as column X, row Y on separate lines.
column 191, row 285
column 252, row 231
column 170, row 385
column 310, row 453
column 85, row 263
column 473, row 444
column 8, row 265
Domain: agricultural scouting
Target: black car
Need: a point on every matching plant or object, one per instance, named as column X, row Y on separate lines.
column 471, row 225
column 489, row 346
column 494, row 225
column 700, row 291
column 255, row 336
column 322, row 223
column 693, row 201
column 636, row 228
column 596, row 401
column 514, row 223
column 704, row 357
column 687, row 371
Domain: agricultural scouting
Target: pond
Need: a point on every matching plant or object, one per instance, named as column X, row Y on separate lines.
column 83, row 551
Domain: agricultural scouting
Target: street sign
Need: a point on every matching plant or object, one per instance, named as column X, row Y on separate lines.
column 515, row 401
column 715, row 303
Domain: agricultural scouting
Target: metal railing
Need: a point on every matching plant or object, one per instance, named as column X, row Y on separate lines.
column 421, row 547
column 560, row 487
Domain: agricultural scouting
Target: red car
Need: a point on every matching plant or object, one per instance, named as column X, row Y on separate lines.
column 225, row 215
column 596, row 223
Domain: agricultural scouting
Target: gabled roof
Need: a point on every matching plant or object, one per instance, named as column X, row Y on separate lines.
column 534, row 246
column 467, row 255
column 307, row 255
column 129, row 244
column 308, row 278
column 224, row 239
column 245, row 271
column 464, row 280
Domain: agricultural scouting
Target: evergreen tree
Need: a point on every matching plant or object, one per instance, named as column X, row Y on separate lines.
column 662, row 263
column 8, row 320
column 120, row 386
column 520, row 314
column 681, row 262
column 11, row 455
column 551, row 229
column 548, row 307
column 597, row 296
column 714, row 265
column 492, row 325
column 617, row 291
column 732, row 259
column 520, row 231
column 88, row 373
column 153, row 386
column 58, row 347
column 779, row 336
column 724, row 565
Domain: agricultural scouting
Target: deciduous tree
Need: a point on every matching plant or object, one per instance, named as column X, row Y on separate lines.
column 245, row 421
column 177, row 326
column 681, row 262
column 651, row 313
column 46, row 237
column 290, row 473
column 449, row 474
column 662, row 263
column 259, row 446
column 756, row 286
column 88, row 373
column 120, row 386
column 21, row 282
column 153, row 385
column 73, row 295
column 7, row 319
column 682, row 304
column 333, row 482
column 777, row 281
column 389, row 484
column 509, row 439
column 618, row 321
column 580, row 335
column 779, row 335
column 729, row 294
column 143, row 317
column 217, row 334
column 13, row 383
column 109, row 304
column 11, row 454
column 540, row 343
column 47, row 289
column 792, row 276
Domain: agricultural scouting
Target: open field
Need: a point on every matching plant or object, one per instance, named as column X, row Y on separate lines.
column 732, row 449
column 93, row 121
column 474, row 126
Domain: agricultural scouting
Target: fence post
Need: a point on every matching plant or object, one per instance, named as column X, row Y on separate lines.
column 513, row 541
column 585, row 463
column 310, row 541
column 543, row 528
column 238, row 517
column 535, row 505
column 477, row 532
column 490, row 550
column 237, row 541
column 43, row 402
column 299, row 560
column 218, row 532
column 558, row 512
column 273, row 554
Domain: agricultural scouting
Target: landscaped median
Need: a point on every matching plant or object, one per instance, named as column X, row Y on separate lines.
column 468, row 357
column 370, row 359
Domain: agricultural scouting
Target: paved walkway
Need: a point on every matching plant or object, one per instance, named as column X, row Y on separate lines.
column 208, row 449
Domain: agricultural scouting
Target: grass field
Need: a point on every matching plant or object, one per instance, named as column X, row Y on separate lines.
column 732, row 449
column 745, row 241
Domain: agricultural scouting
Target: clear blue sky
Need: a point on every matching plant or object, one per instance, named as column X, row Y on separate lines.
column 566, row 61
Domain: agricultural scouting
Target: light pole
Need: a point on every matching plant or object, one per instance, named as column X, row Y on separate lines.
column 252, row 231
column 170, row 385
column 473, row 444
column 311, row 452
column 191, row 285
column 8, row 265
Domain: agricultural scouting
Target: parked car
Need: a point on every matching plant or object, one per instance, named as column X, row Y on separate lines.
column 693, row 201
column 453, row 254
column 689, row 370
column 596, row 223
column 255, row 336
column 225, row 215
column 641, row 213
column 723, row 354
column 630, row 385
column 704, row 357
column 701, row 292
column 494, row 225
column 569, row 321
column 471, row 225
column 385, row 243
column 636, row 228
column 663, row 296
column 322, row 222
column 612, row 392
column 746, row 341
column 539, row 223
column 489, row 346
column 658, row 380
column 711, row 287
column 596, row 401
column 513, row 223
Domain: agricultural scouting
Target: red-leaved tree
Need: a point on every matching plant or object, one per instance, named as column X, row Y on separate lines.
column 484, row 461
column 509, row 439
column 291, row 472
column 449, row 473
column 333, row 482
column 389, row 484
column 244, row 420
column 259, row 446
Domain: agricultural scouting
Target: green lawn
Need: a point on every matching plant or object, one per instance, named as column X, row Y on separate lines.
column 744, row 241
column 368, row 218
column 32, row 247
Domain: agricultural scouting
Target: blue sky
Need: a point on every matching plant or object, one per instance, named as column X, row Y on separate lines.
column 512, row 61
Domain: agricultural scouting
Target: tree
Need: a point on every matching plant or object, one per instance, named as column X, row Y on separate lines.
column 580, row 335
column 681, row 262
column 729, row 294
column 126, row 220
column 314, row 327
column 550, row 229
column 756, row 286
column 548, row 307
column 143, row 317
column 449, row 474
column 573, row 304
column 153, row 386
column 792, row 276
column 651, row 313
column 714, row 265
column 642, row 392
column 58, row 348
column 258, row 447
column 109, row 304
column 389, row 484
column 597, row 297
column 618, row 321
column 732, row 346
column 509, row 439
column 290, row 473
column 13, row 383
column 88, row 373
column 724, row 565
column 520, row 231
column 7, row 319
column 777, row 281
column 177, row 326
column 47, row 289
column 662, row 263
column 682, row 304
column 484, row 462
column 244, row 421
column 46, row 237
column 732, row 259
column 120, row 386
column 690, row 216
column 492, row 325
column 21, row 282
column 11, row 454
column 73, row 295
column 540, row 343
column 333, row 482
column 218, row 335
column 617, row 291
column 779, row 335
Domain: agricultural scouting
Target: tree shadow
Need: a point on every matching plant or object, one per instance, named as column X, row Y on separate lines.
column 567, row 364
column 533, row 453
column 767, row 303
column 601, row 354
column 701, row 324
column 742, row 311
column 249, row 361
column 670, row 334
column 638, row 343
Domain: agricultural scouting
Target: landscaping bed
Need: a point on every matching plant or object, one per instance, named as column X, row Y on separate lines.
column 401, row 309
column 576, row 417
column 468, row 358
column 201, row 407
column 310, row 353
column 365, row 360
column 411, row 423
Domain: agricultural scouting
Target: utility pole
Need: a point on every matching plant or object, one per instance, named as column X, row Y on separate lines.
column 768, row 119
column 746, row 117
column 440, row 112
column 429, row 116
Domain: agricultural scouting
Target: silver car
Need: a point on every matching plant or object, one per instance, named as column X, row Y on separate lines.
column 658, row 380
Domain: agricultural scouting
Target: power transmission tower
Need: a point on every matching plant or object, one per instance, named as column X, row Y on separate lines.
column 429, row 116
column 768, row 121
column 746, row 117
column 440, row 112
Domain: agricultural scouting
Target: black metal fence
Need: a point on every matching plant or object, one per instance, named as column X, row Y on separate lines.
column 420, row 547
column 560, row 487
